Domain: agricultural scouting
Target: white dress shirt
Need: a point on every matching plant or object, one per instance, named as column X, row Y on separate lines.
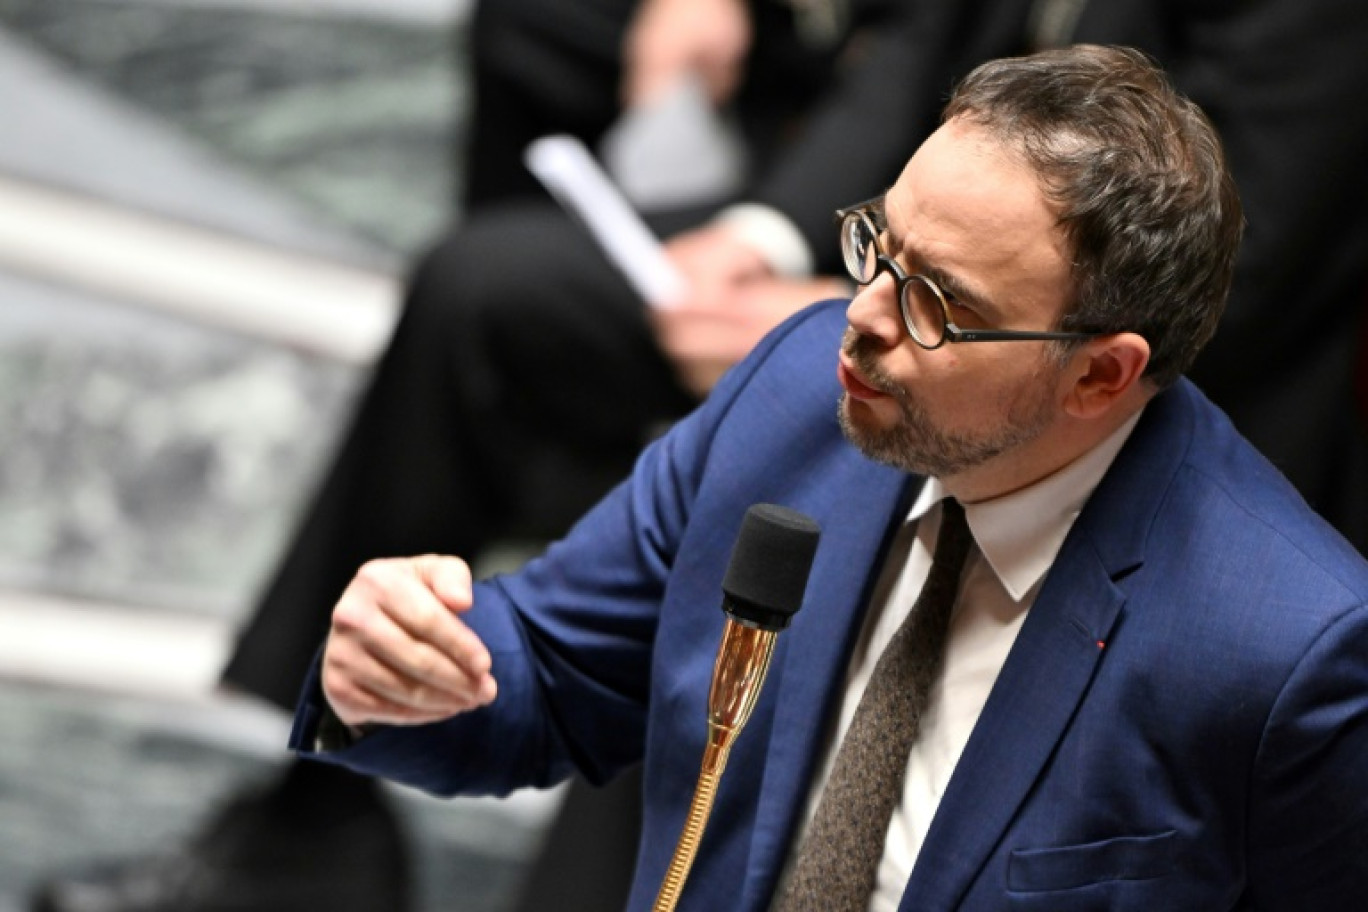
column 1016, row 539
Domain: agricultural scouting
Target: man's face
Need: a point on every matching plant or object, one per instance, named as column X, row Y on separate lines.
column 973, row 218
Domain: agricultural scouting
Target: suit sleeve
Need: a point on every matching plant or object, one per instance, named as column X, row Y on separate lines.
column 1308, row 832
column 571, row 635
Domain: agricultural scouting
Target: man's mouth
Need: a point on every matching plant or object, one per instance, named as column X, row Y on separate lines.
column 853, row 382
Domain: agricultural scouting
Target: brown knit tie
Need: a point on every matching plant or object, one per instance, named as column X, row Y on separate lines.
column 839, row 857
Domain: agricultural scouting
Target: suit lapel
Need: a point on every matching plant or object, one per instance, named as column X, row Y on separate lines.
column 1040, row 686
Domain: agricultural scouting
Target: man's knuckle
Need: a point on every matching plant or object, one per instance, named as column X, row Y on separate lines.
column 347, row 617
column 423, row 621
column 423, row 665
column 375, row 573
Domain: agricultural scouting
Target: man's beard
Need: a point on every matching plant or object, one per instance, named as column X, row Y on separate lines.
column 915, row 444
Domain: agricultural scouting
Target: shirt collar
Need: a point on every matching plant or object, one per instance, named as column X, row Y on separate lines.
column 1020, row 533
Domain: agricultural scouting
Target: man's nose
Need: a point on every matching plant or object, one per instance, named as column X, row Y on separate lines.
column 874, row 310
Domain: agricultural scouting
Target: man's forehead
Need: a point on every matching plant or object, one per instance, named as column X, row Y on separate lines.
column 968, row 207
column 964, row 178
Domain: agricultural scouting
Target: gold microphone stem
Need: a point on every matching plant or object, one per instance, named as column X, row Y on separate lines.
column 742, row 661
column 715, row 759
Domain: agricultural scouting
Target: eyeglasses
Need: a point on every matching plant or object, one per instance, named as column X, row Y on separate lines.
column 925, row 311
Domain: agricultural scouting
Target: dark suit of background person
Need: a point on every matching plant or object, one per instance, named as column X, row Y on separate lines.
column 1181, row 724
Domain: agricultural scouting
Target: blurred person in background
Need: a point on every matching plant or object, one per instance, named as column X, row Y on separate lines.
column 525, row 373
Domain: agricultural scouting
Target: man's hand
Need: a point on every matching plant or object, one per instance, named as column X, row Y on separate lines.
column 671, row 38
column 398, row 652
column 733, row 302
column 714, row 262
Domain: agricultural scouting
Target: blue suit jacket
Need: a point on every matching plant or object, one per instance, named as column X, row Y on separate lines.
column 1181, row 724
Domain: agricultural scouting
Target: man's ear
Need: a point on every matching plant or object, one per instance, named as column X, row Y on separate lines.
column 1104, row 371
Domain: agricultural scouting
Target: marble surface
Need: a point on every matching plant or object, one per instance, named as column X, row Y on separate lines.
column 150, row 461
column 353, row 115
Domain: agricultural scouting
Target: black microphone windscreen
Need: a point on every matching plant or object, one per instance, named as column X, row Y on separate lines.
column 769, row 566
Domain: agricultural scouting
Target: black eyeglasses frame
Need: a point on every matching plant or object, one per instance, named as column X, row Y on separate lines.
column 902, row 280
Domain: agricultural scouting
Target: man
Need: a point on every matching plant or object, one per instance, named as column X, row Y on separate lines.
column 1153, row 691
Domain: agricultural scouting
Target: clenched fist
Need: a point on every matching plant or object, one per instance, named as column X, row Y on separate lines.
column 398, row 652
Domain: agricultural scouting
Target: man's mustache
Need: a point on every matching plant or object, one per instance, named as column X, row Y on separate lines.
column 861, row 352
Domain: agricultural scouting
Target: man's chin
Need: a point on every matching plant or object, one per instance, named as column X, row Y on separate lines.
column 871, row 416
column 886, row 442
column 862, row 427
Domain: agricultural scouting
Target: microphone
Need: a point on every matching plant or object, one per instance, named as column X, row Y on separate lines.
column 762, row 590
